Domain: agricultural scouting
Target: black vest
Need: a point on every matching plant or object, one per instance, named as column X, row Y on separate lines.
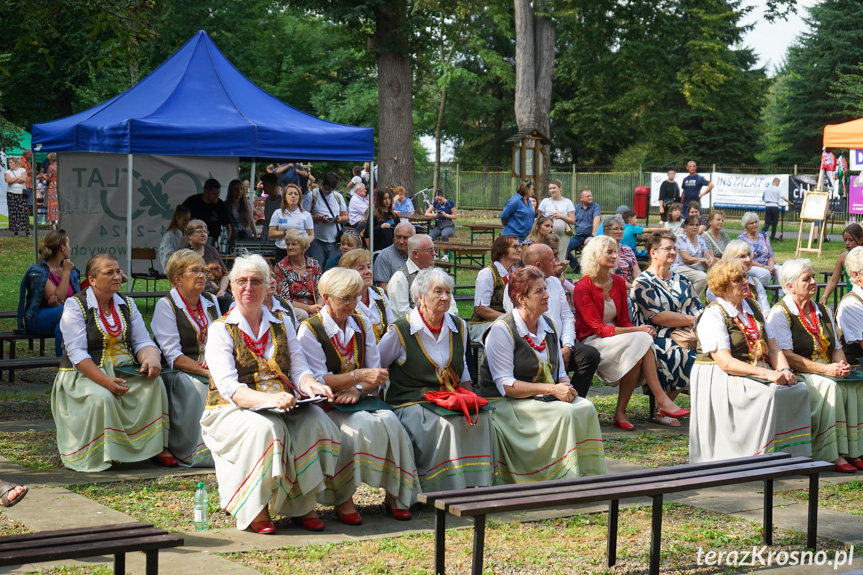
column 97, row 339
column 853, row 351
column 803, row 342
column 739, row 347
column 334, row 361
column 190, row 344
column 496, row 302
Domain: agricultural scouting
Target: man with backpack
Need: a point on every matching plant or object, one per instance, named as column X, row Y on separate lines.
column 329, row 212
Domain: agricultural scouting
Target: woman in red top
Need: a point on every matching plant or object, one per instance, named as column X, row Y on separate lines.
column 603, row 322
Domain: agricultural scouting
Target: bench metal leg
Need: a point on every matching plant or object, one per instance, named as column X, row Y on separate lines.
column 812, row 525
column 478, row 543
column 153, row 562
column 655, row 534
column 768, row 512
column 439, row 541
column 119, row 564
column 611, row 541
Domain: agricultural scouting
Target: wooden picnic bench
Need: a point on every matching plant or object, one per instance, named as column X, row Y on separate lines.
column 116, row 540
column 480, row 230
column 655, row 483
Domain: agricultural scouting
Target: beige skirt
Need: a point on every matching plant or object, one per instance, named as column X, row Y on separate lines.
column 620, row 353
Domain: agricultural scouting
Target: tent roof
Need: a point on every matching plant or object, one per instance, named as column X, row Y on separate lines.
column 847, row 135
column 197, row 104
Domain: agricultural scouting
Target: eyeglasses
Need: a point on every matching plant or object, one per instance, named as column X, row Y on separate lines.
column 196, row 271
column 739, row 280
column 244, row 282
column 202, row 231
column 428, row 251
column 667, row 249
column 347, row 299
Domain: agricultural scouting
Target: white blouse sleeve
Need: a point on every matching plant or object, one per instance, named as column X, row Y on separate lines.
column 499, row 349
column 299, row 361
column 164, row 326
column 390, row 348
column 712, row 333
column 779, row 329
column 73, row 326
column 465, row 373
column 220, row 354
column 507, row 302
column 849, row 315
column 140, row 335
column 373, row 356
column 314, row 353
column 307, row 217
column 484, row 288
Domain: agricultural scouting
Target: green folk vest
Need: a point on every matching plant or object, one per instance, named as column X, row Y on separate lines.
column 410, row 277
column 496, row 295
column 411, row 379
column 526, row 364
column 335, row 365
column 853, row 351
column 380, row 329
column 97, row 339
column 189, row 341
column 248, row 365
column 739, row 348
column 804, row 342
column 287, row 313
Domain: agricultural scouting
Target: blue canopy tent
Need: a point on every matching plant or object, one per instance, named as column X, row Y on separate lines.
column 197, row 104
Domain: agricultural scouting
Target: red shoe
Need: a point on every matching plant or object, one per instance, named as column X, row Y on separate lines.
column 164, row 460
column 264, row 527
column 349, row 518
column 682, row 412
column 309, row 523
column 858, row 464
column 398, row 514
column 844, row 468
column 625, row 425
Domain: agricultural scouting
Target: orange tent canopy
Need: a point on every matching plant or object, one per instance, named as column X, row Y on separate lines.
column 847, row 135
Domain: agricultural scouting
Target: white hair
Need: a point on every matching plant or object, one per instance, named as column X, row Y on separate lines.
column 749, row 217
column 854, row 261
column 427, row 279
column 791, row 271
column 250, row 263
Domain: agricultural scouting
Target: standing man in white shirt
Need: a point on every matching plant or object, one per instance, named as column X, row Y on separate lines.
column 329, row 213
column 772, row 196
column 578, row 357
column 421, row 253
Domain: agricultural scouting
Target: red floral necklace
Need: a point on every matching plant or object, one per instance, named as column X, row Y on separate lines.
column 256, row 346
column 115, row 326
column 434, row 330
column 814, row 327
column 539, row 348
column 199, row 317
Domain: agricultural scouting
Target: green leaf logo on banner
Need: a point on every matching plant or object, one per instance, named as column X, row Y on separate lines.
column 155, row 198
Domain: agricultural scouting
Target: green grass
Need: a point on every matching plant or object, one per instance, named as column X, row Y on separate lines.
column 568, row 545
column 843, row 497
column 34, row 450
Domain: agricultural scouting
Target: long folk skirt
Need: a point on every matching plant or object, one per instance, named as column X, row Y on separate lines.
column 265, row 458
column 449, row 452
column 538, row 440
column 375, row 450
column 836, row 409
column 735, row 416
column 95, row 428
column 186, row 399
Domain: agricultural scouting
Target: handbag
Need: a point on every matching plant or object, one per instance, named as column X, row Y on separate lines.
column 685, row 337
column 459, row 399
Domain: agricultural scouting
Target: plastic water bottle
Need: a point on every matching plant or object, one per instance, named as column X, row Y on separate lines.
column 202, row 509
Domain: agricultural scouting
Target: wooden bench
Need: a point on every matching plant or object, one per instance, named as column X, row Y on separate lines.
column 654, row 483
column 10, row 365
column 480, row 230
column 14, row 336
column 116, row 540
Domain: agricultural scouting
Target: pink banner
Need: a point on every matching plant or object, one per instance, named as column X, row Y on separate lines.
column 855, row 195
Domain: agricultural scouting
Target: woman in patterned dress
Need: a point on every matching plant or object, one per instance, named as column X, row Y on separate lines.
column 764, row 261
column 666, row 301
column 297, row 275
column 272, row 455
column 373, row 303
column 627, row 264
column 806, row 334
column 693, row 255
column 104, row 415
column 342, row 351
column 51, row 202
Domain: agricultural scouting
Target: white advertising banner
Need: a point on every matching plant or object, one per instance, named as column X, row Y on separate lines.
column 92, row 193
column 744, row 191
column 656, row 179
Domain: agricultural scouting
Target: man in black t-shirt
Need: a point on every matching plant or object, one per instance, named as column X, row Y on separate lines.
column 669, row 192
column 210, row 209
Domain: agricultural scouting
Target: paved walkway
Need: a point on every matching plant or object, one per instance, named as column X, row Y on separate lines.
column 39, row 511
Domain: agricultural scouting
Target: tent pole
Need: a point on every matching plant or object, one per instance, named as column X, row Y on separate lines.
column 129, row 178
column 371, row 196
column 35, row 206
column 252, row 196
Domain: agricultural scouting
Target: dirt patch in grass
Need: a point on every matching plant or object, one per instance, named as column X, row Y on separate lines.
column 843, row 497
column 168, row 502
column 32, row 449
column 649, row 449
column 25, row 406
column 570, row 545
column 9, row 526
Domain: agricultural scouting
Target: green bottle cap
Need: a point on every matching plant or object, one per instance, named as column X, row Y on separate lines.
column 200, row 485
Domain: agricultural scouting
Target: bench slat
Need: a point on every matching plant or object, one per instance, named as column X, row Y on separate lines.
column 613, row 481
column 432, row 496
column 78, row 530
column 76, row 538
column 96, row 548
column 602, row 493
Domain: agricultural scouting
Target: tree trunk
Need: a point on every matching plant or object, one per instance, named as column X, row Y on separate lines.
column 395, row 98
column 437, row 137
column 534, row 69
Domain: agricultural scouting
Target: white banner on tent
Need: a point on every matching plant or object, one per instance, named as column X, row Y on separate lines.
column 744, row 191
column 92, row 196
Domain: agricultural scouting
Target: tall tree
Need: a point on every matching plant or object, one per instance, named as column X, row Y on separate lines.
column 829, row 47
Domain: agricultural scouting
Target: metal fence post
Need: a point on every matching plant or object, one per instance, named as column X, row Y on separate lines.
column 572, row 187
column 457, row 187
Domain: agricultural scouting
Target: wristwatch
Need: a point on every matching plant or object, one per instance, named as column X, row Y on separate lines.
column 359, row 386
